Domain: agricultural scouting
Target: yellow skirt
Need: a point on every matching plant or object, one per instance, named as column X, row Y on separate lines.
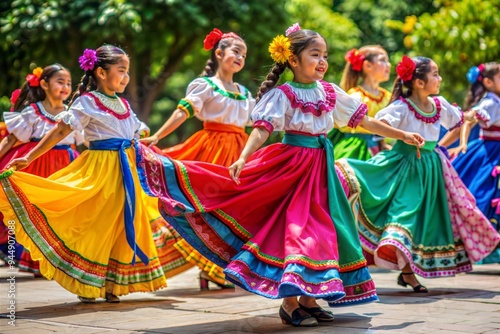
column 73, row 223
column 219, row 144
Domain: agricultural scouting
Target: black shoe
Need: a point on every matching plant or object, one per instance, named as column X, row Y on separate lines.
column 299, row 318
column 419, row 288
column 319, row 313
column 111, row 298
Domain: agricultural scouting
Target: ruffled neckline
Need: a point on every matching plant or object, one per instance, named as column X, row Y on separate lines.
column 316, row 108
column 44, row 114
column 113, row 105
column 378, row 98
column 426, row 117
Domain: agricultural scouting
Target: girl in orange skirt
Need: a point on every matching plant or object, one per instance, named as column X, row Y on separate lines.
column 224, row 107
column 40, row 100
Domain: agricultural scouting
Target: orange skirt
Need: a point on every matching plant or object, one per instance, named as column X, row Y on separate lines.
column 219, row 144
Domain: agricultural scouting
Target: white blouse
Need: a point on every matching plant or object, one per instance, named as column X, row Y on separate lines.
column 207, row 100
column 103, row 117
column 34, row 122
column 488, row 110
column 400, row 115
column 311, row 108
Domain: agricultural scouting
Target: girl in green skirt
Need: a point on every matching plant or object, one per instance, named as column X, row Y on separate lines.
column 415, row 214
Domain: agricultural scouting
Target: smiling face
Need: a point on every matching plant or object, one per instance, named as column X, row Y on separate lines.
column 312, row 63
column 114, row 79
column 232, row 58
column 58, row 86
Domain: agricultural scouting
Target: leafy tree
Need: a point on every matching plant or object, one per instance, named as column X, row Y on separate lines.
column 157, row 34
column 461, row 34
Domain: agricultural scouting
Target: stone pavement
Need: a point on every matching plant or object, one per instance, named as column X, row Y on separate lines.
column 467, row 303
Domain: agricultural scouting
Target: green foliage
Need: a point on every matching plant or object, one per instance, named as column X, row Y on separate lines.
column 461, row 34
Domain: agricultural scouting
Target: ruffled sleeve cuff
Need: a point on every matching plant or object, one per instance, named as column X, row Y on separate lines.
column 459, row 123
column 358, row 116
column 68, row 118
column 187, row 107
column 264, row 124
column 483, row 116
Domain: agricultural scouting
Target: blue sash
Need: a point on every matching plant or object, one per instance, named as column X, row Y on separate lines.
column 115, row 144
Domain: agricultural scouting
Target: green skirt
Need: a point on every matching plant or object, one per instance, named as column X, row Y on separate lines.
column 353, row 146
column 403, row 211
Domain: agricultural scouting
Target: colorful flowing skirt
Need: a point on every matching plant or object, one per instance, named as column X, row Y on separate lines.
column 286, row 230
column 87, row 224
column 219, row 144
column 353, row 145
column 416, row 210
column 478, row 170
column 50, row 162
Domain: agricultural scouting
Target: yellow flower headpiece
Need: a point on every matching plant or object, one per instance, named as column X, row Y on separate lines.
column 280, row 49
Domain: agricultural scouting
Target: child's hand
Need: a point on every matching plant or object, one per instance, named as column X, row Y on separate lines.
column 235, row 170
column 18, row 164
column 414, row 139
column 454, row 152
column 149, row 141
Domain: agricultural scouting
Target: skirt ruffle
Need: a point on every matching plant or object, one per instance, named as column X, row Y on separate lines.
column 273, row 233
column 417, row 211
column 73, row 223
column 219, row 144
column 45, row 165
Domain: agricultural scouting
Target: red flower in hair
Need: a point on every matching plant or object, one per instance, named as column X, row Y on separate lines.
column 13, row 98
column 212, row 39
column 356, row 59
column 405, row 68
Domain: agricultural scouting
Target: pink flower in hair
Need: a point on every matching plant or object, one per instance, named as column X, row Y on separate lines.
column 88, row 59
column 295, row 27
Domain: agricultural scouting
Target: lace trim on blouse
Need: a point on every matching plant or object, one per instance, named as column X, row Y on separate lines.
column 116, row 106
column 43, row 114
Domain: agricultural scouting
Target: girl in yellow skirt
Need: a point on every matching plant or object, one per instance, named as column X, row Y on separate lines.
column 89, row 223
column 224, row 107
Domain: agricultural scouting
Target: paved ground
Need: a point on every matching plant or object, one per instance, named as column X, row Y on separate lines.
column 468, row 303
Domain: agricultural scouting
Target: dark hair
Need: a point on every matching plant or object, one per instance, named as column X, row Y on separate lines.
column 351, row 77
column 30, row 94
column 106, row 55
column 212, row 64
column 299, row 41
column 423, row 66
column 477, row 89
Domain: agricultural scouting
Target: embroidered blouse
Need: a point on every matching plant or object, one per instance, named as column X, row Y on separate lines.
column 310, row 108
column 402, row 114
column 488, row 110
column 374, row 104
column 208, row 100
column 103, row 117
column 33, row 122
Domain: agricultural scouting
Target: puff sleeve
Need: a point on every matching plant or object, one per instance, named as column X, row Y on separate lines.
column 451, row 116
column 21, row 124
column 349, row 110
column 198, row 91
column 75, row 117
column 392, row 114
column 270, row 111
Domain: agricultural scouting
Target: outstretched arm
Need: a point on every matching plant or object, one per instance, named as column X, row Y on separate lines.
column 464, row 138
column 384, row 129
column 54, row 136
column 173, row 122
column 256, row 139
column 6, row 144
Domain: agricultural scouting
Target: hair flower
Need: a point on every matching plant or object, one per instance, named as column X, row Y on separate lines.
column 474, row 74
column 13, row 98
column 280, row 49
column 212, row 39
column 356, row 59
column 34, row 78
column 88, row 60
column 405, row 68
column 293, row 28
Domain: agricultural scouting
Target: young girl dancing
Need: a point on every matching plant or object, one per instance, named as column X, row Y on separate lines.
column 284, row 227
column 370, row 65
column 224, row 108
column 40, row 100
column 415, row 214
column 88, row 224
column 479, row 167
